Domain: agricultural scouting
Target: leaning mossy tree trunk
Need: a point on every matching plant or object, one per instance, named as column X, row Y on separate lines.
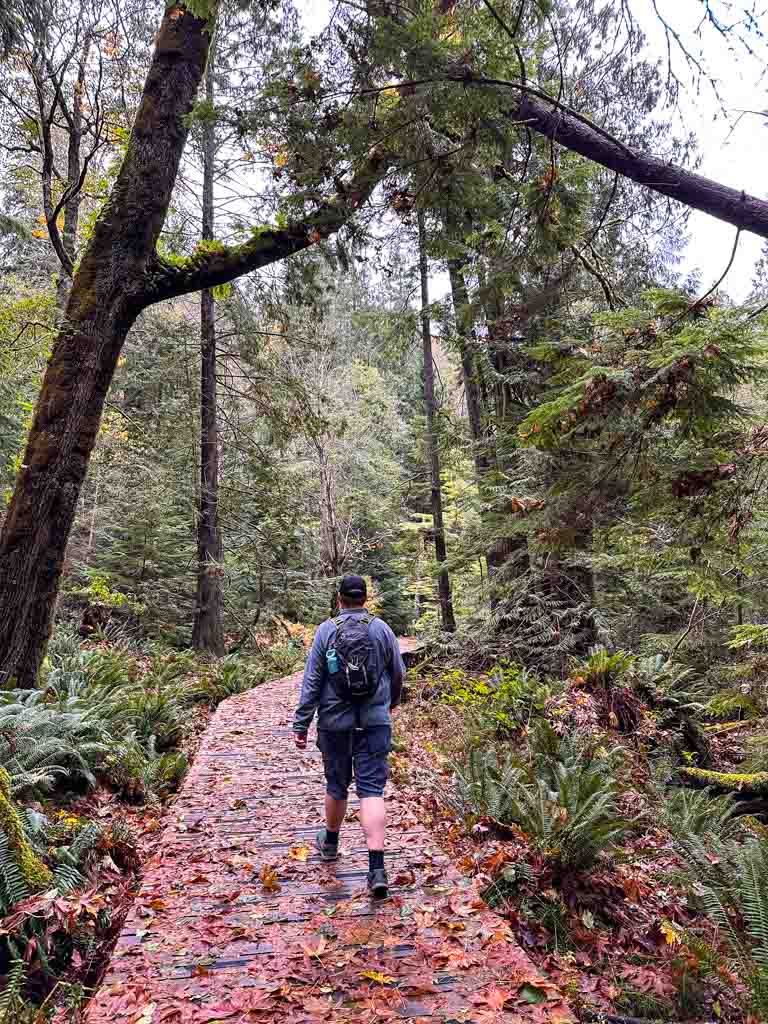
column 120, row 274
column 738, row 783
column 35, row 874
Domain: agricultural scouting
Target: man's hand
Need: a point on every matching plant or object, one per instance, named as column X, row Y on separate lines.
column 300, row 739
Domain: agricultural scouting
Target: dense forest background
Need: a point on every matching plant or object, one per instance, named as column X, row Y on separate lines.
column 470, row 366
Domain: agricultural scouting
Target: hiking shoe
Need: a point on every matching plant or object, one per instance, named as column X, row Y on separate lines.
column 378, row 884
column 328, row 851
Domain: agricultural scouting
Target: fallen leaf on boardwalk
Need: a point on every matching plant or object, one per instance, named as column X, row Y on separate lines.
column 172, row 1015
column 382, row 1003
column 317, row 1007
column 533, row 994
column 320, row 947
column 237, row 860
column 299, row 853
column 268, row 878
column 490, row 1017
column 237, row 805
column 417, row 987
column 502, row 933
column 494, row 997
column 241, row 933
column 251, row 1000
column 462, row 908
column 404, row 878
column 424, row 919
column 378, row 977
column 455, row 959
column 219, row 1011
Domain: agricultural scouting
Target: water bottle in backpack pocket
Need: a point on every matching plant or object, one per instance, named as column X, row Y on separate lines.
column 332, row 661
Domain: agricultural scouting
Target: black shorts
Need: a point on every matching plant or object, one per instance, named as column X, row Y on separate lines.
column 363, row 753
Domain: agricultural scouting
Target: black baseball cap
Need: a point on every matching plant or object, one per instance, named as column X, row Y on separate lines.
column 353, row 586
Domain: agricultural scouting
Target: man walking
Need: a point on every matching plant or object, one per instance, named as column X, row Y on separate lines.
column 353, row 676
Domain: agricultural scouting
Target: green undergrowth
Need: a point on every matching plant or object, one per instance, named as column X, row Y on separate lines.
column 608, row 813
column 110, row 725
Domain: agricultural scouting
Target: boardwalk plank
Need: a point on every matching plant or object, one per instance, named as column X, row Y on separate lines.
column 206, row 942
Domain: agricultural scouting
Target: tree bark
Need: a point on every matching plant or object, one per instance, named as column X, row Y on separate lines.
column 208, row 630
column 447, row 619
column 329, row 527
column 74, row 172
column 503, row 548
column 727, row 204
column 120, row 274
column 472, row 392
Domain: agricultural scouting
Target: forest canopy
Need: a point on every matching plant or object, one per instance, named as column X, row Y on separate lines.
column 409, row 296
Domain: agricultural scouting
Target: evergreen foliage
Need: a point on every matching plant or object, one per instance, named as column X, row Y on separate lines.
column 598, row 427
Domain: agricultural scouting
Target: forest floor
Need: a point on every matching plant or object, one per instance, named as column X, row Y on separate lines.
column 613, row 938
column 236, row 919
column 552, row 851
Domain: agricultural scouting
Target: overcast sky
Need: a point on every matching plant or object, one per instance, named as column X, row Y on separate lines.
column 734, row 150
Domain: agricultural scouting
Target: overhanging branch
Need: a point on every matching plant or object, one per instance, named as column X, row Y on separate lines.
column 694, row 190
column 210, row 267
column 538, row 112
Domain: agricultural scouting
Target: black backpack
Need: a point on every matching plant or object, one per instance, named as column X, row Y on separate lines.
column 355, row 680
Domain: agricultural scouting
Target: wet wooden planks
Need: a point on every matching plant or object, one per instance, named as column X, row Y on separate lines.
column 238, row 920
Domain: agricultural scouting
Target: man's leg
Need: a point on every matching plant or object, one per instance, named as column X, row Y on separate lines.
column 335, row 811
column 371, row 772
column 373, row 817
column 337, row 764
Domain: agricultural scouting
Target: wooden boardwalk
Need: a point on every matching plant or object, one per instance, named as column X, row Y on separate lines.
column 237, row 920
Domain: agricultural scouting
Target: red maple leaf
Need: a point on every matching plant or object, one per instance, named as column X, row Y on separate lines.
column 495, row 997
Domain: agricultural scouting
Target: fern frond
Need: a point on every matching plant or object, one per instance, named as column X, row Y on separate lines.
column 11, row 998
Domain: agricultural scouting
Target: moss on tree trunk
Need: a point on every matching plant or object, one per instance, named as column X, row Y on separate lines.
column 107, row 294
column 747, row 783
column 120, row 274
column 35, row 873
